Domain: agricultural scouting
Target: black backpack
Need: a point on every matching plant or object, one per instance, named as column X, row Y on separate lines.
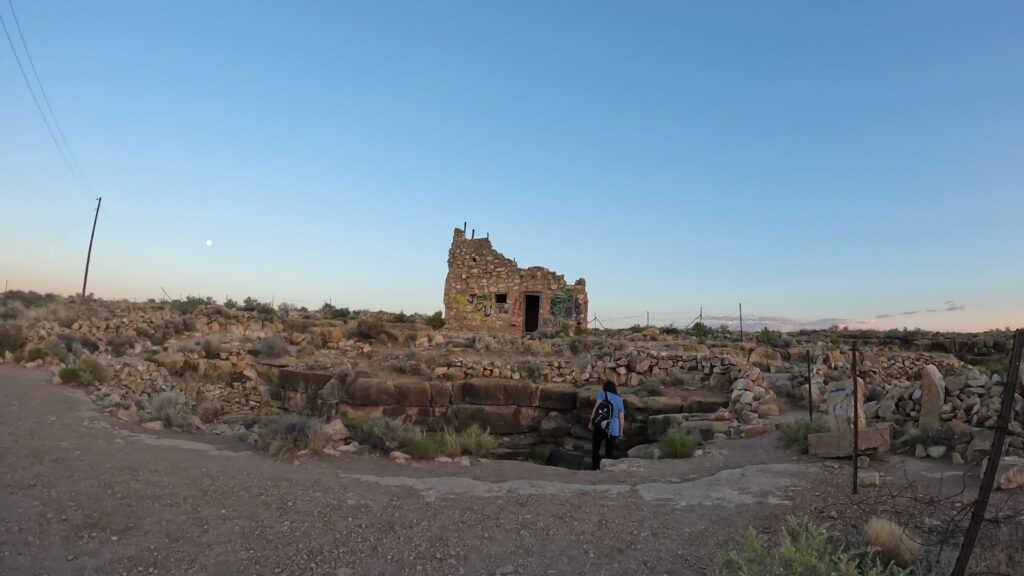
column 603, row 414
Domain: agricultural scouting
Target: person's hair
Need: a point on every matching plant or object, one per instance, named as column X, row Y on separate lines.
column 609, row 386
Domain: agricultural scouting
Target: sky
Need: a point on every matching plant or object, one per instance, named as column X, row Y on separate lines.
column 820, row 162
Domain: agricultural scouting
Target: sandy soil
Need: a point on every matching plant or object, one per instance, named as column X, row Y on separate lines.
column 82, row 493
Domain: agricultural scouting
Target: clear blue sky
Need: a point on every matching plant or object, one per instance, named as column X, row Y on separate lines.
column 810, row 159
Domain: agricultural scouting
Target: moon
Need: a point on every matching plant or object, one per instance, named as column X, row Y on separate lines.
column 209, row 243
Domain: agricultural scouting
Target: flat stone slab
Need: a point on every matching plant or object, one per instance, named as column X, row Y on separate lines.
column 840, row 444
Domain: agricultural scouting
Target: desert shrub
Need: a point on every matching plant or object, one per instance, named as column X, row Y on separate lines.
column 402, row 365
column 92, row 371
column 171, row 408
column 119, row 343
column 423, row 448
column 436, row 320
column 700, row 330
column 933, row 436
column 286, row 308
column 69, row 375
column 537, row 347
column 208, row 411
column 346, row 374
column 187, row 323
column 805, row 550
column 529, row 370
column 477, row 441
column 210, row 348
column 189, row 304
column 76, row 343
column 328, row 310
column 540, row 454
column 383, row 433
column 370, row 330
column 12, row 337
column 272, row 347
column 401, row 318
column 580, row 344
column 230, row 304
column 564, row 330
column 995, row 366
column 768, row 337
column 262, row 309
column 9, row 312
column 399, row 365
column 635, row 329
column 794, row 434
column 285, row 435
column 678, row 444
column 671, row 330
column 35, row 353
column 891, row 542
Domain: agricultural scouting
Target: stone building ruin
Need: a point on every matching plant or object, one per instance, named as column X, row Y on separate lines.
column 487, row 292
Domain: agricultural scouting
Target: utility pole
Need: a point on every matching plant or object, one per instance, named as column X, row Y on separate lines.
column 88, row 257
column 648, row 318
column 702, row 315
column 741, row 321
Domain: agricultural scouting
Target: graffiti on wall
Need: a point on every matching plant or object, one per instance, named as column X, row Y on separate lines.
column 484, row 304
column 565, row 306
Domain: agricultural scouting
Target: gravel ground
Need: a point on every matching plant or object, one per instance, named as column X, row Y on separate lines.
column 82, row 493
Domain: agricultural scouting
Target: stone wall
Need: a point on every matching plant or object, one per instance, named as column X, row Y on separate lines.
column 487, row 292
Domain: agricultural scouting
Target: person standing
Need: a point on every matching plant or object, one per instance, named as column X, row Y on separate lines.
column 607, row 421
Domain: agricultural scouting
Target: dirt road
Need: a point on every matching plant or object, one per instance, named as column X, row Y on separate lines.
column 82, row 493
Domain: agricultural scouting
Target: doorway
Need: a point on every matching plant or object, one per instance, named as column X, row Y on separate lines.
column 531, row 312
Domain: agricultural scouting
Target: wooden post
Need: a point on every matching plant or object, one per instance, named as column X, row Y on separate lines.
column 995, row 453
column 810, row 396
column 856, row 417
column 88, row 256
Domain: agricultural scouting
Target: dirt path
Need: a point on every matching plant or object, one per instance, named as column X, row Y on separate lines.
column 82, row 493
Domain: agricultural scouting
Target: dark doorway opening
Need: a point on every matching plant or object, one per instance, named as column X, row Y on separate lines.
column 531, row 312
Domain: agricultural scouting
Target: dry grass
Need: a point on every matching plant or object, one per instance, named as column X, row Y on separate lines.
column 272, row 347
column 208, row 411
column 892, row 542
column 285, row 435
column 171, row 408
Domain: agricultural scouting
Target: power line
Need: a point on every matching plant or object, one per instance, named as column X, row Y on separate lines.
column 28, row 84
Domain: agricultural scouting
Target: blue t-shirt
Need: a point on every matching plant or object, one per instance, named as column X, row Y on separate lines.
column 617, row 408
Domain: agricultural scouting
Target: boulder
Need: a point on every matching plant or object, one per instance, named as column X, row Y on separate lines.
column 933, row 395
column 336, row 431
column 768, row 410
column 936, row 452
column 644, row 451
column 173, row 363
column 555, row 425
column 870, row 479
column 1012, row 478
column 763, row 356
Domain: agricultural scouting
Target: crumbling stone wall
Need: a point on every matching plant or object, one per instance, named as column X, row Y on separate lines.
column 487, row 292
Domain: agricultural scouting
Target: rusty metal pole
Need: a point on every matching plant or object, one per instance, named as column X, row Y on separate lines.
column 856, row 417
column 995, row 453
column 810, row 395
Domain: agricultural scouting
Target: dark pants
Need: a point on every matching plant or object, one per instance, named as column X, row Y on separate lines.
column 595, row 448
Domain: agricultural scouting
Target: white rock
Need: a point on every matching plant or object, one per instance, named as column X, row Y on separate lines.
column 936, row 452
column 336, row 431
column 920, row 451
column 869, row 479
column 399, row 457
column 154, row 425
